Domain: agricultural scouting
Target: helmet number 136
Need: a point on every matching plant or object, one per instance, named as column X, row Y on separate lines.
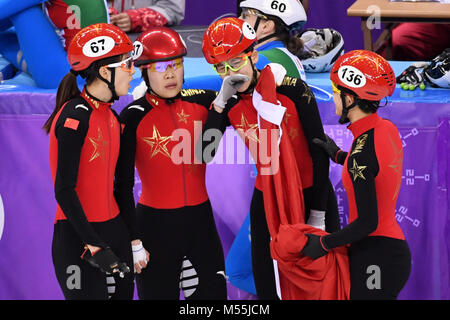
column 352, row 76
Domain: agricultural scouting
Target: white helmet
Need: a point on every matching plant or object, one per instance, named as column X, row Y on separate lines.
column 322, row 47
column 289, row 11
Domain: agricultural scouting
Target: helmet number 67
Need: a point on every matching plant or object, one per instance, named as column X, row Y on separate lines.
column 95, row 46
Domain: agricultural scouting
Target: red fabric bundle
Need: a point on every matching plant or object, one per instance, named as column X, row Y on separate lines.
column 300, row 277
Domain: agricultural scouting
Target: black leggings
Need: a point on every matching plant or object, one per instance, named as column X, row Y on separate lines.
column 77, row 278
column 262, row 262
column 183, row 244
column 379, row 268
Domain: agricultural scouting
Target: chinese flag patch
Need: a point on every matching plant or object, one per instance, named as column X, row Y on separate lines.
column 71, row 123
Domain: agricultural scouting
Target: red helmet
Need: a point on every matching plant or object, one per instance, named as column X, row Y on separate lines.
column 226, row 38
column 95, row 42
column 158, row 44
column 365, row 73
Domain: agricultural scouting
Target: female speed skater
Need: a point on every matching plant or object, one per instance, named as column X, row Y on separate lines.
column 174, row 213
column 93, row 233
column 372, row 174
column 228, row 44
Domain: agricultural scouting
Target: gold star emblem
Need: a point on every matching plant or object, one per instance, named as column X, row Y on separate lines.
column 374, row 60
column 360, row 142
column 157, row 143
column 247, row 130
column 359, row 57
column 308, row 94
column 293, row 133
column 99, row 147
column 97, row 28
column 182, row 117
column 286, row 117
column 357, row 171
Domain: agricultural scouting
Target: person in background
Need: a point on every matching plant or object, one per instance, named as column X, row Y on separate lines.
column 276, row 27
column 54, row 23
column 419, row 41
column 305, row 4
column 140, row 15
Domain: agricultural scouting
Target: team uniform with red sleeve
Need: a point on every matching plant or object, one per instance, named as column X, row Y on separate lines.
column 84, row 148
column 303, row 124
column 173, row 212
column 372, row 173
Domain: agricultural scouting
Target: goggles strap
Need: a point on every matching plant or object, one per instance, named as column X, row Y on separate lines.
column 267, row 37
column 110, row 84
column 258, row 20
column 344, row 117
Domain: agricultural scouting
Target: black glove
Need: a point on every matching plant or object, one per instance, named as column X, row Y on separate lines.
column 314, row 248
column 329, row 147
column 106, row 261
column 412, row 77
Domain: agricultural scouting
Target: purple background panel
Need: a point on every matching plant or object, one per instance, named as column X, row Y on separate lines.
column 26, row 269
column 29, row 206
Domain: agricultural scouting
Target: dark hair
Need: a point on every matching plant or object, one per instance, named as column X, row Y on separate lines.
column 367, row 106
column 144, row 76
column 68, row 87
column 292, row 43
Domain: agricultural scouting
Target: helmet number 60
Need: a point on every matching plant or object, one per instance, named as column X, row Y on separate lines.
column 275, row 5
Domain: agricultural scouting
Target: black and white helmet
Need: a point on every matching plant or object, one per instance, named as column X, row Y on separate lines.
column 322, row 47
column 289, row 11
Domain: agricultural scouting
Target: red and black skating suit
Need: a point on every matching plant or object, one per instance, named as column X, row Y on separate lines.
column 372, row 175
column 173, row 212
column 84, row 148
column 303, row 124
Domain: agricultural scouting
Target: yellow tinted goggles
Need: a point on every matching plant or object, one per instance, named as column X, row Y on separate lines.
column 234, row 64
column 335, row 89
column 161, row 66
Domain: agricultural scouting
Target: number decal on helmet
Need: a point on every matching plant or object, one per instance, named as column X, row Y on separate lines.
column 248, row 31
column 138, row 49
column 98, row 46
column 278, row 7
column 351, row 76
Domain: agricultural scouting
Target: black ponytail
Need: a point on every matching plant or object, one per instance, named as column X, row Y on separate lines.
column 67, row 90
